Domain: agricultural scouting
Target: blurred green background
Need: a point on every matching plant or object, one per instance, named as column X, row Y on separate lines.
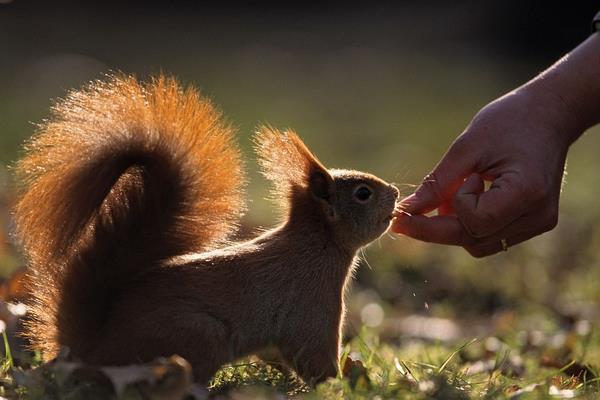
column 382, row 88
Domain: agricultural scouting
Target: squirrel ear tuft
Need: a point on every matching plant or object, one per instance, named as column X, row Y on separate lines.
column 289, row 164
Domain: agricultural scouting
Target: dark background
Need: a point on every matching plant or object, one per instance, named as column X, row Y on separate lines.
column 378, row 87
column 239, row 50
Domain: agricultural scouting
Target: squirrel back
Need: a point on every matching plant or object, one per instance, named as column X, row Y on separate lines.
column 123, row 176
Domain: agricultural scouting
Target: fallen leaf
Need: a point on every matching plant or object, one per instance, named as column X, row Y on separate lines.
column 356, row 373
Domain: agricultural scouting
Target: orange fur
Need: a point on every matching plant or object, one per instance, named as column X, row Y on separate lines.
column 129, row 193
column 120, row 161
column 285, row 161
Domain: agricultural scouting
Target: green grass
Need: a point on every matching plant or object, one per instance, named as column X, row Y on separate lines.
column 422, row 370
column 487, row 367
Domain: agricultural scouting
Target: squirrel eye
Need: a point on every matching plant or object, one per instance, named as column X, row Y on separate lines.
column 363, row 193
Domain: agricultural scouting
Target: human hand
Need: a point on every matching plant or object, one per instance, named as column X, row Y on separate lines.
column 519, row 143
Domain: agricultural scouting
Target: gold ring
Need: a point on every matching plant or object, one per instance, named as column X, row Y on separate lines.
column 504, row 244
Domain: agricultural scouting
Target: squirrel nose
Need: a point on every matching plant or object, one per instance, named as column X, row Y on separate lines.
column 395, row 191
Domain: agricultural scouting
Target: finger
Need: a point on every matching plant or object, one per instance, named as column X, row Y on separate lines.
column 440, row 185
column 449, row 230
column 524, row 228
column 474, row 186
column 446, row 208
column 485, row 213
column 436, row 229
column 496, row 246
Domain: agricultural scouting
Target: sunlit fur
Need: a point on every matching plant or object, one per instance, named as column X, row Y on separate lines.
column 285, row 161
column 118, row 178
column 128, row 193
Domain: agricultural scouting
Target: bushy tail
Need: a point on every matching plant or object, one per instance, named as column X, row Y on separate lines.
column 123, row 175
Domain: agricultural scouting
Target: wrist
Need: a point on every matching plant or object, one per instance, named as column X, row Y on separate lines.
column 570, row 89
column 549, row 113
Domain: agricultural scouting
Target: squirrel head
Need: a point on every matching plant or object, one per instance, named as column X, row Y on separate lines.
column 354, row 207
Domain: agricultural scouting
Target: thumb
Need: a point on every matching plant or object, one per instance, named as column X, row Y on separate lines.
column 439, row 186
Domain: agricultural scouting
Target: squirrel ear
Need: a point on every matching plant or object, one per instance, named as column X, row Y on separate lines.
column 289, row 164
column 285, row 159
column 321, row 187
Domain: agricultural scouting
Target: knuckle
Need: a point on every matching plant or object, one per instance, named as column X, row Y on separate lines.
column 461, row 144
column 550, row 220
column 535, row 190
column 528, row 189
column 431, row 183
column 476, row 252
column 468, row 240
column 479, row 223
column 481, row 119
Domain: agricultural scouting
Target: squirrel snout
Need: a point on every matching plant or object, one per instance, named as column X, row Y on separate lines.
column 395, row 190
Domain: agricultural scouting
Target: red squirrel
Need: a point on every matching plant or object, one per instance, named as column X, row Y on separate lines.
column 130, row 194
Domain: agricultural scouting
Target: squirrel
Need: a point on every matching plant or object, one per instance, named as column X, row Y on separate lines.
column 129, row 196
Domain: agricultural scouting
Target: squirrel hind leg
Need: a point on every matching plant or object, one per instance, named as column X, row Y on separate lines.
column 197, row 337
column 314, row 362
